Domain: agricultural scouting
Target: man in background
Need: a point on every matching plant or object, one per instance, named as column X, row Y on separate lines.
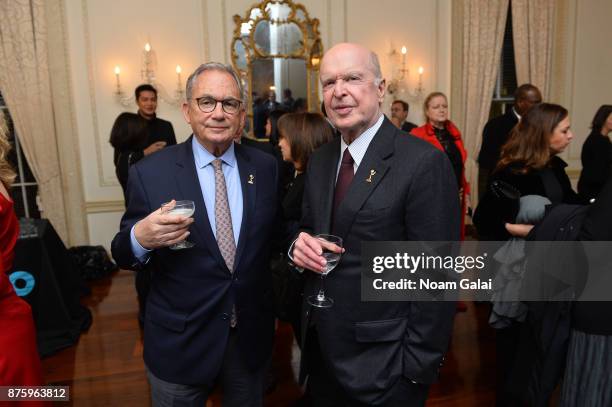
column 497, row 131
column 399, row 113
column 288, row 100
column 160, row 132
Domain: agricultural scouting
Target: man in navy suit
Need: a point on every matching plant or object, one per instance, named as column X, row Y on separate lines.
column 371, row 184
column 207, row 318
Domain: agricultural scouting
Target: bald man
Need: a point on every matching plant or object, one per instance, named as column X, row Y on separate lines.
column 371, row 184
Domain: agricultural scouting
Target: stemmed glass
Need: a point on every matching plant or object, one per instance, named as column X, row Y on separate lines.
column 182, row 208
column 321, row 300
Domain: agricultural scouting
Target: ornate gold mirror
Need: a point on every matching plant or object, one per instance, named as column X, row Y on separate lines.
column 277, row 46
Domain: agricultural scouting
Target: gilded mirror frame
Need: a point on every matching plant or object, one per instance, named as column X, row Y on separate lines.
column 311, row 49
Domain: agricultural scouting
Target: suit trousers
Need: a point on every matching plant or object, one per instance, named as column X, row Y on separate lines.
column 324, row 390
column 241, row 387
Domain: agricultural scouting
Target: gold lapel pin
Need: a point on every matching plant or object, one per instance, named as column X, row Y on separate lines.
column 372, row 173
column 251, row 179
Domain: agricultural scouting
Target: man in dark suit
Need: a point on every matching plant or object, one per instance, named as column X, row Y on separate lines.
column 399, row 113
column 399, row 188
column 497, row 131
column 207, row 317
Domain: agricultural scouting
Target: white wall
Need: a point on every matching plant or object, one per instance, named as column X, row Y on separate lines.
column 102, row 34
column 422, row 26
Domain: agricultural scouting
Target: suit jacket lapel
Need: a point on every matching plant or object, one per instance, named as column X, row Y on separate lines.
column 248, row 181
column 371, row 171
column 189, row 187
column 327, row 174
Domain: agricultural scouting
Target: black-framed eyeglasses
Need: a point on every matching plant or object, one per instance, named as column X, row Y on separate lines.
column 207, row 104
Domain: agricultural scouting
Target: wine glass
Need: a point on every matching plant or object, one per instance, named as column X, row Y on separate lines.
column 320, row 300
column 183, row 208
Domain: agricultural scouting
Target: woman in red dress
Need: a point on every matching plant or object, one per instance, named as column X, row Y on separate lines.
column 444, row 135
column 19, row 360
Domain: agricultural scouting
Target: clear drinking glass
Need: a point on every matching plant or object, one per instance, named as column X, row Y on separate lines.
column 183, row 208
column 321, row 300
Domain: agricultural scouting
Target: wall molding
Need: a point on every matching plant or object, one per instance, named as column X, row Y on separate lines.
column 66, row 128
column 102, row 181
column 116, row 205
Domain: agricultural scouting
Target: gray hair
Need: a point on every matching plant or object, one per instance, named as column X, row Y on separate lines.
column 215, row 66
column 375, row 67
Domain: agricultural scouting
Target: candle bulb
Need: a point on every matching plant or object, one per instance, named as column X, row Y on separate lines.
column 420, row 73
column 178, row 77
column 147, row 47
column 404, row 50
column 117, row 72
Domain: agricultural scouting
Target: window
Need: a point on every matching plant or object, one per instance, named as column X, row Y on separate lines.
column 505, row 86
column 25, row 190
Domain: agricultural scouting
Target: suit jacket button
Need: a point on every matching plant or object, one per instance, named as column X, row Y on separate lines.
column 225, row 316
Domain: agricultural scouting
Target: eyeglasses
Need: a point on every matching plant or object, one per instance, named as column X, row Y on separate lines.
column 207, row 104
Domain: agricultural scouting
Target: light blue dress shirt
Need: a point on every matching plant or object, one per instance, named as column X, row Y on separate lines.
column 359, row 146
column 206, row 176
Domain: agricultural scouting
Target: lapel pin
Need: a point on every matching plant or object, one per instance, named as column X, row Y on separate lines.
column 372, row 173
column 251, row 179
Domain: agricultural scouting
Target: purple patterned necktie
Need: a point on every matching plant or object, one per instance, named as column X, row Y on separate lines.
column 345, row 176
column 223, row 218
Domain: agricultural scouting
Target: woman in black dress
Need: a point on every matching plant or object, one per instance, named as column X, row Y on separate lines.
column 529, row 165
column 299, row 135
column 596, row 154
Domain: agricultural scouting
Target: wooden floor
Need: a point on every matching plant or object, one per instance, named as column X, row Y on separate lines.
column 106, row 369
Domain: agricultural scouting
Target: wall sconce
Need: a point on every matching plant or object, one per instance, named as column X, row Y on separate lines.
column 398, row 84
column 147, row 75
